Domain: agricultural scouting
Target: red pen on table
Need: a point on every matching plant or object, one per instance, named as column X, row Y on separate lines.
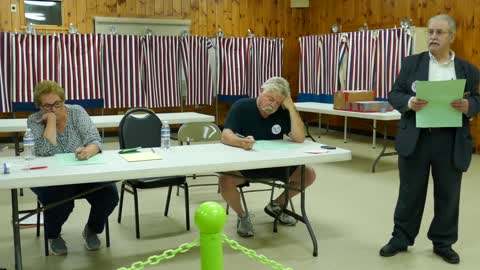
column 36, row 168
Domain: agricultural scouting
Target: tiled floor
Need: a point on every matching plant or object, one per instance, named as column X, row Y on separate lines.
column 350, row 208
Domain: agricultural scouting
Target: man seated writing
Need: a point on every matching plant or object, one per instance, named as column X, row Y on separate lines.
column 270, row 116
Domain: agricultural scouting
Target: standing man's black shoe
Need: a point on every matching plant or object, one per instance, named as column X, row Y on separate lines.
column 390, row 250
column 448, row 254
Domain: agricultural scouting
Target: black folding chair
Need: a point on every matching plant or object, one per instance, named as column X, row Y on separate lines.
column 144, row 130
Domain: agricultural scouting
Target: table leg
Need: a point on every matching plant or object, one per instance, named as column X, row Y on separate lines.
column 328, row 124
column 17, row 153
column 17, row 144
column 383, row 153
column 374, row 132
column 16, row 231
column 345, row 130
column 304, row 213
column 319, row 124
column 303, row 218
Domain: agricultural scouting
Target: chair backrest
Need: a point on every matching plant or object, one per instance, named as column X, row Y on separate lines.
column 142, row 130
column 199, row 132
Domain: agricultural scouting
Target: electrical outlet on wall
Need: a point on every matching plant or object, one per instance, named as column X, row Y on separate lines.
column 13, row 8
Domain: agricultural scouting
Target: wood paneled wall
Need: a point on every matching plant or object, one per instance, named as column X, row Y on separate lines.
column 351, row 14
column 273, row 18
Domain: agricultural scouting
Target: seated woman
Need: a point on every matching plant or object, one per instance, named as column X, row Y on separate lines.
column 61, row 128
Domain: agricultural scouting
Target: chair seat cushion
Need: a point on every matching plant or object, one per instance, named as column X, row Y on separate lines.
column 157, row 182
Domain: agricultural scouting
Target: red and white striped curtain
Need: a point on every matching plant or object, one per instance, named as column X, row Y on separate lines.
column 197, row 69
column 406, row 44
column 386, row 64
column 122, row 64
column 265, row 61
column 309, row 68
column 331, row 50
column 35, row 58
column 232, row 58
column 80, row 66
column 393, row 45
column 5, row 94
column 360, row 60
column 162, row 73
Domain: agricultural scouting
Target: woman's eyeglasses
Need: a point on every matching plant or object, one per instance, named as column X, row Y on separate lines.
column 49, row 107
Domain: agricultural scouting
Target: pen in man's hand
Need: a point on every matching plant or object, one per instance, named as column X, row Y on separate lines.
column 36, row 168
column 240, row 135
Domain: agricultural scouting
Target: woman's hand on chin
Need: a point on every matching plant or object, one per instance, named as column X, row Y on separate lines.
column 49, row 116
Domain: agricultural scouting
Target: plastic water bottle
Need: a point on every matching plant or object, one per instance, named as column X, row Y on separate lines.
column 165, row 135
column 29, row 145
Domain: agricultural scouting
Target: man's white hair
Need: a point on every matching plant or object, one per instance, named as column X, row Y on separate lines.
column 444, row 17
column 278, row 85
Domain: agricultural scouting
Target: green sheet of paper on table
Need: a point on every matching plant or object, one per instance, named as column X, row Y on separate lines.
column 69, row 159
column 275, row 145
column 439, row 112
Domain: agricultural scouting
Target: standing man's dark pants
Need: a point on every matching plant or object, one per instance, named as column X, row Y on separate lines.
column 434, row 150
column 102, row 201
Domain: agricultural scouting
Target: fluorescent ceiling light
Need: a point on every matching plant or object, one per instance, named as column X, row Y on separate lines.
column 35, row 16
column 42, row 3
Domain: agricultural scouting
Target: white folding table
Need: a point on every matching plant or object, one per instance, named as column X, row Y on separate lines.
column 108, row 121
column 179, row 160
column 327, row 108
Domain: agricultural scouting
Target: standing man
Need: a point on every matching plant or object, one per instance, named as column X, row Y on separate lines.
column 270, row 116
column 445, row 151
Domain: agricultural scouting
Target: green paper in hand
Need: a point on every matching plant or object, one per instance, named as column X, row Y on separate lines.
column 69, row 159
column 438, row 112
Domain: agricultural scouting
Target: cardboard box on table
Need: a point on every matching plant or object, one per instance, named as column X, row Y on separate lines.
column 341, row 99
column 369, row 106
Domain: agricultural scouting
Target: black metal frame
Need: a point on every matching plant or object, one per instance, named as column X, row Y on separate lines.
column 133, row 191
column 303, row 217
column 134, row 187
column 17, row 246
column 45, row 239
column 383, row 153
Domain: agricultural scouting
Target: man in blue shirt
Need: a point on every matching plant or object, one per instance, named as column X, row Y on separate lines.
column 270, row 116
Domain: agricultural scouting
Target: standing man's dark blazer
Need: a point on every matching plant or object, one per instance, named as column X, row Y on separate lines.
column 415, row 68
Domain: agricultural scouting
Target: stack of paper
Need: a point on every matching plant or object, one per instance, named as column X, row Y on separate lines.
column 438, row 112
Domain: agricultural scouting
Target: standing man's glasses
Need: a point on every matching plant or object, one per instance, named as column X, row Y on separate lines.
column 57, row 105
column 437, row 32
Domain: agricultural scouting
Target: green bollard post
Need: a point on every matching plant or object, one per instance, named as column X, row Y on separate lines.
column 210, row 218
